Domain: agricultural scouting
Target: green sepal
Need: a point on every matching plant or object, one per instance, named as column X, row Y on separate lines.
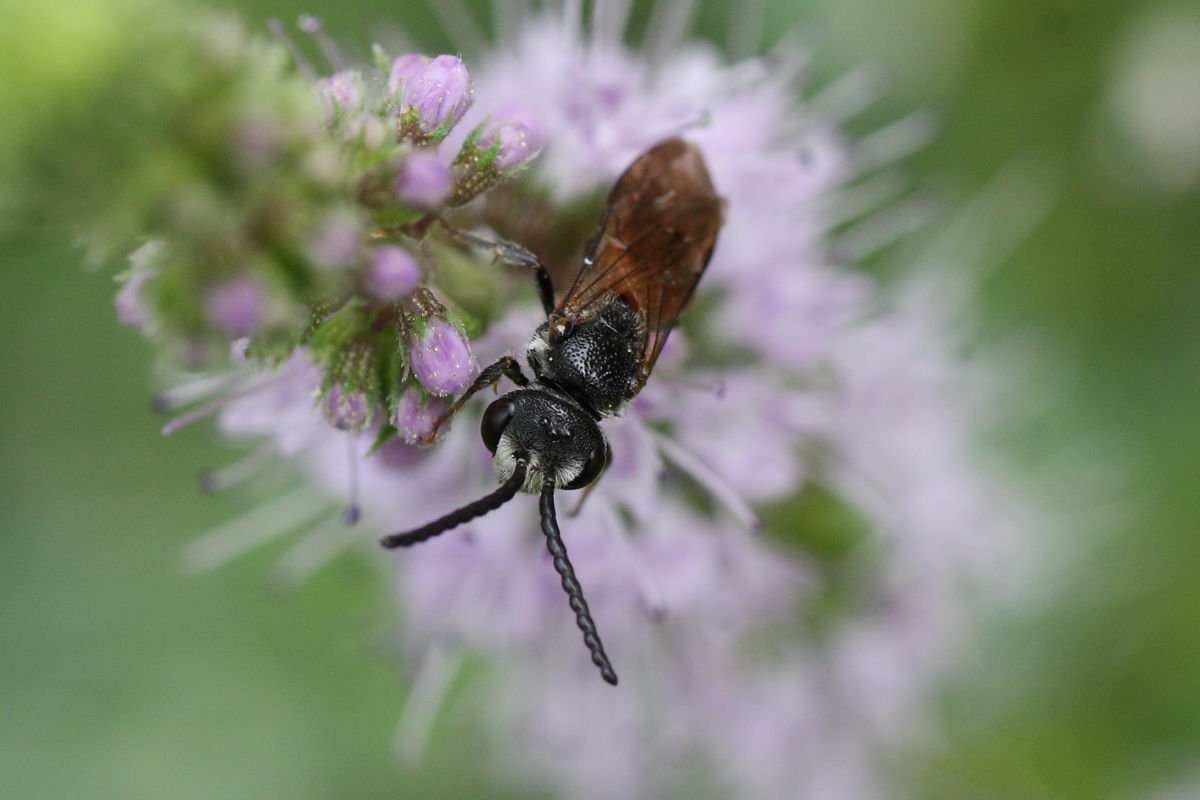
column 383, row 62
column 395, row 216
column 387, row 432
column 341, row 326
column 390, row 362
column 410, row 128
column 472, row 284
column 469, row 144
column 271, row 347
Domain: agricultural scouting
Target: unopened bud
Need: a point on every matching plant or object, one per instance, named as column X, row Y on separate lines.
column 347, row 410
column 404, row 68
column 131, row 305
column 423, row 180
column 343, row 91
column 515, row 144
column 336, row 242
column 415, row 416
column 393, row 273
column 441, row 358
column 235, row 306
column 435, row 98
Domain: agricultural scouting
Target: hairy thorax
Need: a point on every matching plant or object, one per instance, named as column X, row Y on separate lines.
column 593, row 361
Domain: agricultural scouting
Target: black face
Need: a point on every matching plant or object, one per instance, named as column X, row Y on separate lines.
column 560, row 440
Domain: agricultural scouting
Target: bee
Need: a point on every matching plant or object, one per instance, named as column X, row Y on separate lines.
column 596, row 349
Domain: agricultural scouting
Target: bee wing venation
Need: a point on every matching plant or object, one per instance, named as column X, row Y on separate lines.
column 652, row 244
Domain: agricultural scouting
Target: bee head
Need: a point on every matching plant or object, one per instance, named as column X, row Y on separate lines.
column 556, row 436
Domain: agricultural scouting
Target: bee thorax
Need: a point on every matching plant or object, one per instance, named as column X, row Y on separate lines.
column 593, row 361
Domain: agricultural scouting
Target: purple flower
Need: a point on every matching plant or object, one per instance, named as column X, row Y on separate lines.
column 439, row 93
column 393, row 273
column 348, row 410
column 235, row 306
column 343, row 91
column 844, row 385
column 257, row 142
column 129, row 301
column 337, row 242
column 404, row 68
column 131, row 306
column 414, row 416
column 516, row 142
column 423, row 180
column 441, row 358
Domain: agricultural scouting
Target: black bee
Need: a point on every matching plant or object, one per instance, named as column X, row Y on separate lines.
column 596, row 349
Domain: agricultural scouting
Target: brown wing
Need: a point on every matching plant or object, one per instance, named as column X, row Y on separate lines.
column 653, row 242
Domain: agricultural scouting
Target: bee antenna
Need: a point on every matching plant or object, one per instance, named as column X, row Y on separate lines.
column 558, row 551
column 491, row 502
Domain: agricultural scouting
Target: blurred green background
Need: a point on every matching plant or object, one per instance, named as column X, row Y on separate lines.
column 124, row 677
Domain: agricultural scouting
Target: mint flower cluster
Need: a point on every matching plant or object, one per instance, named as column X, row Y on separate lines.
column 318, row 262
column 312, row 220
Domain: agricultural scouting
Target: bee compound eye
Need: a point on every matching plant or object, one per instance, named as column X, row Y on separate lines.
column 597, row 460
column 495, row 419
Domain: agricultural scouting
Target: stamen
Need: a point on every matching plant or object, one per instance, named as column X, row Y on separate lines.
column 508, row 17
column 572, row 21
column 745, row 28
column 855, row 201
column 257, row 527
column 746, row 73
column 666, row 28
column 314, row 550
column 217, row 404
column 245, row 468
column 280, row 33
column 609, row 18
column 790, row 58
column 894, row 142
column 994, row 222
column 883, row 228
column 188, row 392
column 847, row 96
column 700, row 119
column 424, row 701
column 353, row 511
column 721, row 491
column 311, row 24
column 716, row 386
column 460, row 26
column 652, row 599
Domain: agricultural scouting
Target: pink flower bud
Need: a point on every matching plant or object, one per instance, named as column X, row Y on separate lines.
column 336, row 242
column 393, row 273
column 235, row 306
column 440, row 93
column 415, row 416
column 341, row 91
column 131, row 306
column 441, row 358
column 404, row 68
column 424, row 180
column 517, row 143
column 347, row 410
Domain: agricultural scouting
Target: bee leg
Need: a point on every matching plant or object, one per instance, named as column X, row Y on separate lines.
column 505, row 366
column 514, row 255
